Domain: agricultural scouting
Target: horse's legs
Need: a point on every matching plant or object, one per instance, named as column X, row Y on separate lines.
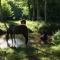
column 14, row 40
column 11, row 35
column 26, row 38
column 7, row 37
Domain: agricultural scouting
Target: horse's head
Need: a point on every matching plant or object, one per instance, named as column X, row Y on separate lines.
column 23, row 22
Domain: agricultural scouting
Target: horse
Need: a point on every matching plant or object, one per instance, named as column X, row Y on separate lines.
column 20, row 29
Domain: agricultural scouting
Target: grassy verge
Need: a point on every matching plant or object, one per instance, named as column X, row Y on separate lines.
column 33, row 25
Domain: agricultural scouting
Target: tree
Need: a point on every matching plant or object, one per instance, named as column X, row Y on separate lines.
column 6, row 10
column 29, row 7
column 53, row 10
column 45, row 13
column 0, row 11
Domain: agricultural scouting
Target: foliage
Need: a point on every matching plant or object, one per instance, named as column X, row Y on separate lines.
column 53, row 10
column 33, row 9
column 56, row 37
column 35, row 25
column 14, row 9
column 49, row 28
column 6, row 10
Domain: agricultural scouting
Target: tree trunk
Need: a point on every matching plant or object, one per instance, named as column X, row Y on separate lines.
column 33, row 5
column 29, row 8
column 37, row 10
column 0, row 11
column 45, row 9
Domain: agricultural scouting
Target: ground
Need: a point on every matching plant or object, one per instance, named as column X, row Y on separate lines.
column 34, row 51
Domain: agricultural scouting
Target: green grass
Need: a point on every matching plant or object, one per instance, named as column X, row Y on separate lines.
column 23, row 53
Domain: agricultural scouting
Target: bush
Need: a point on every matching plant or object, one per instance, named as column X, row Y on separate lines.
column 56, row 36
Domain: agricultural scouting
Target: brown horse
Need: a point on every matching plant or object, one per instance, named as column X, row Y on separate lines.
column 20, row 29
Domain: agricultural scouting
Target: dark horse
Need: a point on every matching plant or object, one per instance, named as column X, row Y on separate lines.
column 20, row 29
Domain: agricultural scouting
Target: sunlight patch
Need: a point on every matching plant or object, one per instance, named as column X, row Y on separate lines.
column 56, row 47
column 3, row 43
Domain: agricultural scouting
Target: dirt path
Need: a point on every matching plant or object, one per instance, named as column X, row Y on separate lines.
column 3, row 43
